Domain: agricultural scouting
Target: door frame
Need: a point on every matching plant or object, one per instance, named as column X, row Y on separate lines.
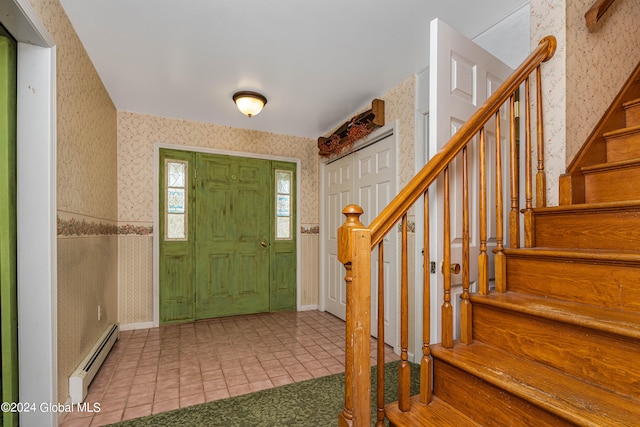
column 156, row 214
column 390, row 130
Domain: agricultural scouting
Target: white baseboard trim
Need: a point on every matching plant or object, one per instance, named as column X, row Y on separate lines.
column 308, row 307
column 132, row 326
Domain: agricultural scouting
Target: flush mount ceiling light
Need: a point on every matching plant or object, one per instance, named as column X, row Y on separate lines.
column 249, row 103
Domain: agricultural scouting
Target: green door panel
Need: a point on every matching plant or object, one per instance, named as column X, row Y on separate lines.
column 8, row 236
column 176, row 269
column 283, row 251
column 232, row 219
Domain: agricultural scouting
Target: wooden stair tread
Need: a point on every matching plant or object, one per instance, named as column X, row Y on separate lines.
column 563, row 395
column 621, row 164
column 595, row 255
column 590, row 207
column 437, row 413
column 620, row 322
column 622, row 132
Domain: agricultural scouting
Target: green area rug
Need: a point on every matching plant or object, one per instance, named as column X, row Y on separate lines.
column 314, row 402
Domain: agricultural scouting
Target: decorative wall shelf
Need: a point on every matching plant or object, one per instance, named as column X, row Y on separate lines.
column 358, row 127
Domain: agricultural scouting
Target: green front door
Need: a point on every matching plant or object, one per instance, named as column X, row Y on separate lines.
column 8, row 257
column 232, row 246
column 232, row 257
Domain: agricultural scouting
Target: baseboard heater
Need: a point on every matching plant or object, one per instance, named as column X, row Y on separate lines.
column 83, row 375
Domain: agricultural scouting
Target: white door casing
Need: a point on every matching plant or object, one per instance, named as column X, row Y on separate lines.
column 462, row 76
column 366, row 177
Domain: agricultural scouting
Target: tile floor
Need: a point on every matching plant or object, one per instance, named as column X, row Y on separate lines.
column 159, row 369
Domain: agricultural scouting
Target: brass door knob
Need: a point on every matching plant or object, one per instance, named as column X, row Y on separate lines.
column 264, row 244
column 454, row 268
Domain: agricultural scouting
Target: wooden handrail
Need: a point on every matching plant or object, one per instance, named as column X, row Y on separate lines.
column 390, row 215
column 594, row 14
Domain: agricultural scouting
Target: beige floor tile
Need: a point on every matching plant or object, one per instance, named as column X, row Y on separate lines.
column 161, row 369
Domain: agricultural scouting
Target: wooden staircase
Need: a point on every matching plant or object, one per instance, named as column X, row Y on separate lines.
column 556, row 340
column 562, row 345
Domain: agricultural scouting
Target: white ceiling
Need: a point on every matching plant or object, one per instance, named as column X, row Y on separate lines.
column 317, row 62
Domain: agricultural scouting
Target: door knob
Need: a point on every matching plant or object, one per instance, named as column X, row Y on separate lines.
column 454, row 268
column 264, row 244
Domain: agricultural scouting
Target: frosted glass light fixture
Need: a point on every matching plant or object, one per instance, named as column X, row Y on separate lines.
column 249, row 103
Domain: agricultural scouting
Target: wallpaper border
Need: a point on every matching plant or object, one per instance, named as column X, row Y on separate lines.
column 76, row 225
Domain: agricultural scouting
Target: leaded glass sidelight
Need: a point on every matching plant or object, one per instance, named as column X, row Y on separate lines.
column 283, row 205
column 176, row 200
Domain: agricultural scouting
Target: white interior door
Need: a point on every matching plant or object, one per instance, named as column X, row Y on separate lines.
column 462, row 76
column 366, row 177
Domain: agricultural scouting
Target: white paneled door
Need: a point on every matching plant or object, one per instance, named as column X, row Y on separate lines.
column 462, row 76
column 366, row 177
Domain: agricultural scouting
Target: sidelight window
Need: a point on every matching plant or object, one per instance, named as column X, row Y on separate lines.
column 176, row 200
column 283, row 205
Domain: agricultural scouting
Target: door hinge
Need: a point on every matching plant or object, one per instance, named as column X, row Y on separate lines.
column 516, row 109
column 433, row 267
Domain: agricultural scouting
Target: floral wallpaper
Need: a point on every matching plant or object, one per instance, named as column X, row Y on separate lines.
column 77, row 226
column 400, row 106
column 81, row 227
column 86, row 125
column 309, row 229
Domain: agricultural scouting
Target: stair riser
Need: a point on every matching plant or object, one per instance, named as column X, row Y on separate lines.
column 593, row 356
column 632, row 115
column 612, row 185
column 623, row 147
column 609, row 285
column 589, row 230
column 485, row 403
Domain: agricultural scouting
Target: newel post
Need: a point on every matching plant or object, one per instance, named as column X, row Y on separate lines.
column 354, row 251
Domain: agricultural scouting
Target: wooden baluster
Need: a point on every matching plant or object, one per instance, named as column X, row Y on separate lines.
column 528, row 210
column 447, row 309
column 541, row 178
column 404, row 370
column 500, row 261
column 483, row 258
column 466, row 336
column 514, row 214
column 354, row 251
column 426, row 364
column 380, row 341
